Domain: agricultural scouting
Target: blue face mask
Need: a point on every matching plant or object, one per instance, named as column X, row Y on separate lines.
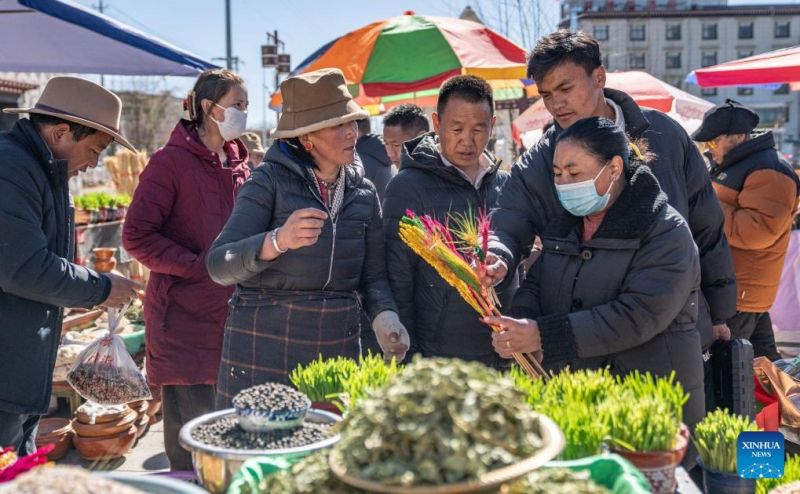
column 581, row 198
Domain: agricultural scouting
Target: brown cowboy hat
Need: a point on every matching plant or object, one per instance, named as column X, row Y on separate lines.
column 315, row 100
column 80, row 101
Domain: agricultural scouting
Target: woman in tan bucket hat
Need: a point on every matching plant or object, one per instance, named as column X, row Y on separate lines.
column 304, row 246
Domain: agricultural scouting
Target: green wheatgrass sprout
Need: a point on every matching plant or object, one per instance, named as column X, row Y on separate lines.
column 715, row 438
column 373, row 372
column 636, row 412
column 791, row 473
column 640, row 424
column 323, row 379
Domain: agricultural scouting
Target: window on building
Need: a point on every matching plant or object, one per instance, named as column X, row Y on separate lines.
column 673, row 32
column 783, row 29
column 708, row 58
column 636, row 61
column 744, row 54
column 744, row 91
column 710, row 31
column 636, row 32
column 746, row 30
column 708, row 91
column 773, row 117
column 784, row 89
column 674, row 60
column 601, row 33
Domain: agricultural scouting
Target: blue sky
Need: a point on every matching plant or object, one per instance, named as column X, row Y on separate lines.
column 199, row 27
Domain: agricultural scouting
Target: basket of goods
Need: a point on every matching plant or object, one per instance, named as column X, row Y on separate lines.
column 443, row 426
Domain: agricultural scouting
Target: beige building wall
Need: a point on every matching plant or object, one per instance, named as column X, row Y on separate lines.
column 621, row 53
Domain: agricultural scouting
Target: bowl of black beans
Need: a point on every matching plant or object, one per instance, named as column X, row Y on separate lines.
column 219, row 443
column 270, row 406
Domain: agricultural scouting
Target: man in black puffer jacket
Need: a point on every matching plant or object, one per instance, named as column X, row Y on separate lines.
column 444, row 172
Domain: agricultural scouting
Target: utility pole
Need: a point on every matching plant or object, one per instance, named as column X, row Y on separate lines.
column 271, row 58
column 101, row 7
column 228, row 45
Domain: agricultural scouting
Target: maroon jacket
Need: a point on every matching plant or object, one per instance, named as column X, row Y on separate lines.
column 182, row 202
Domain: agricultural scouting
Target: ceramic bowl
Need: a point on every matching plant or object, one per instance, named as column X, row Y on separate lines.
column 106, row 429
column 105, row 448
column 254, row 420
column 57, row 431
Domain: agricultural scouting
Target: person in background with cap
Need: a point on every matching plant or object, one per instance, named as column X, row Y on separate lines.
column 73, row 121
column 402, row 123
column 254, row 149
column 372, row 154
column 184, row 197
column 758, row 192
column 304, row 244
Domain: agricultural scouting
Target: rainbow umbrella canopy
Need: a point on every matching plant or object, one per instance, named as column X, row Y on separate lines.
column 410, row 54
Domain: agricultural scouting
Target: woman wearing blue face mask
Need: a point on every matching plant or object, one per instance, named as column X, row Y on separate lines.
column 618, row 279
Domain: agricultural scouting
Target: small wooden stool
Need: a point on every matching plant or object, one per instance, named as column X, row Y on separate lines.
column 62, row 389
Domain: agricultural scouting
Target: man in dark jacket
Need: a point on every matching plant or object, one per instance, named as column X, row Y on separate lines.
column 758, row 193
column 445, row 172
column 402, row 123
column 376, row 163
column 71, row 124
column 569, row 73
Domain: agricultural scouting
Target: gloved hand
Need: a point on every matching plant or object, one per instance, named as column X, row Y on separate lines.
column 392, row 335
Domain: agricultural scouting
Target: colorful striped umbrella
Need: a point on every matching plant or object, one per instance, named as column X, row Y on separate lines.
column 414, row 53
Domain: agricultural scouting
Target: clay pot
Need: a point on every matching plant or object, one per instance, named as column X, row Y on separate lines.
column 83, row 217
column 107, row 447
column 659, row 466
column 103, row 417
column 104, row 260
column 57, row 431
column 152, row 410
column 107, row 428
column 326, row 406
column 142, row 424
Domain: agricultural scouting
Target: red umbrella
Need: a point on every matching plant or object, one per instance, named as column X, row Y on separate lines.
column 774, row 67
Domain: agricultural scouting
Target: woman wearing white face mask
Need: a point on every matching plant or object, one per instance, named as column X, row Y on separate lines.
column 183, row 200
column 618, row 279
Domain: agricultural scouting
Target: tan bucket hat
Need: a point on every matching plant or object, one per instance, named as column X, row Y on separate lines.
column 316, row 100
column 252, row 142
column 80, row 101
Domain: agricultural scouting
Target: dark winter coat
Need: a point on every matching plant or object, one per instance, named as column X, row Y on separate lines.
column 758, row 193
column 627, row 298
column 438, row 320
column 377, row 166
column 37, row 277
column 349, row 255
column 184, row 197
column 529, row 203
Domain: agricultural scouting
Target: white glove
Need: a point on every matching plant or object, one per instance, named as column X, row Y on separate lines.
column 392, row 335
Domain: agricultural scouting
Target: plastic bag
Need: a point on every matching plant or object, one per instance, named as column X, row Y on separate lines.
column 789, row 366
column 105, row 373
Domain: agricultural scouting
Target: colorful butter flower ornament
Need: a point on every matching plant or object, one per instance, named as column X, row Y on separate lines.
column 453, row 251
column 12, row 466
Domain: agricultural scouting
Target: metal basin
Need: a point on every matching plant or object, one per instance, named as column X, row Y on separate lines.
column 215, row 467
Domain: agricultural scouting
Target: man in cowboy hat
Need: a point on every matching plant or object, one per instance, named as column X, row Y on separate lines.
column 254, row 150
column 758, row 193
column 71, row 124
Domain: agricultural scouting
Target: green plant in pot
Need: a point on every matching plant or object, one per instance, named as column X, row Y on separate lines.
column 571, row 400
column 716, row 440
column 645, row 426
column 791, row 475
column 322, row 380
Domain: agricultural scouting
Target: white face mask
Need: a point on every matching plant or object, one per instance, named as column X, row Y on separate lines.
column 234, row 124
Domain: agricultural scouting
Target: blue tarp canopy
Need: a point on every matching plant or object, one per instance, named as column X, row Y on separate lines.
column 63, row 36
